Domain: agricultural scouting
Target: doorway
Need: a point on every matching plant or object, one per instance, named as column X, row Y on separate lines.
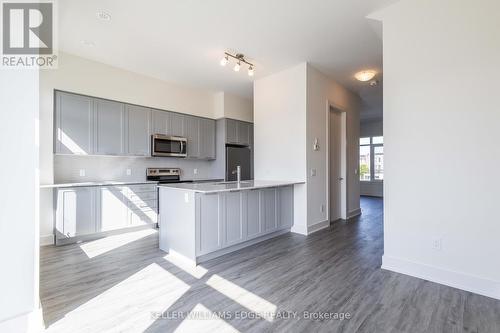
column 337, row 162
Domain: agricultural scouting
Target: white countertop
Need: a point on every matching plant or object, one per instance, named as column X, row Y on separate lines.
column 228, row 186
column 98, row 183
column 113, row 183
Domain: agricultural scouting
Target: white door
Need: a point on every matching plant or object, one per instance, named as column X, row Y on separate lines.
column 338, row 209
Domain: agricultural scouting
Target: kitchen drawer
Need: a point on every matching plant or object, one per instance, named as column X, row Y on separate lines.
column 142, row 217
column 142, row 188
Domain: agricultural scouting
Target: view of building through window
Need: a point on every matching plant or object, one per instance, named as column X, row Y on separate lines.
column 371, row 153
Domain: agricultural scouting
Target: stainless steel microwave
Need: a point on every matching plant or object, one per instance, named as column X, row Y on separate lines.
column 168, row 145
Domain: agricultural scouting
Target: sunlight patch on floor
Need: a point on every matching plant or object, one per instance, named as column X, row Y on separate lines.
column 95, row 248
column 243, row 297
column 201, row 319
column 196, row 271
column 128, row 306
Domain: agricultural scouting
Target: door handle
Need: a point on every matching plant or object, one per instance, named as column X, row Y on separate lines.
column 341, row 178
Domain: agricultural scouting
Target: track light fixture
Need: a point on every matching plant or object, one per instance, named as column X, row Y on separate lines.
column 240, row 58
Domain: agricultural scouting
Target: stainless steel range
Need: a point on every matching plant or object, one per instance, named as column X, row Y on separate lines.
column 165, row 175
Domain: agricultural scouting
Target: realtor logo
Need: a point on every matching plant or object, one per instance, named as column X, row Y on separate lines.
column 28, row 34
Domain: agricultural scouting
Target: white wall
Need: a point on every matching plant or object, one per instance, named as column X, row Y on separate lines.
column 320, row 91
column 291, row 109
column 19, row 197
column 441, row 124
column 369, row 128
column 280, row 134
column 88, row 77
column 232, row 106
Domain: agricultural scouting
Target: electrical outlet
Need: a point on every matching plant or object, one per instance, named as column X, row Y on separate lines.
column 437, row 244
column 82, row 172
column 129, row 172
column 195, row 171
column 313, row 172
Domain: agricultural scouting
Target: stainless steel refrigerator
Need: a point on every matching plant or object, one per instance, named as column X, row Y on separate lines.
column 238, row 155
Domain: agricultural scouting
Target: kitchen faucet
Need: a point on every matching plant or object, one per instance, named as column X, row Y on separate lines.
column 238, row 173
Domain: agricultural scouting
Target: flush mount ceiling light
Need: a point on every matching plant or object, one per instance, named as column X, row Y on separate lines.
column 103, row 16
column 240, row 58
column 364, row 76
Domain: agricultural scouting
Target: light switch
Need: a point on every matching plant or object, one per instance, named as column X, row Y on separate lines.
column 313, row 172
column 195, row 171
column 129, row 172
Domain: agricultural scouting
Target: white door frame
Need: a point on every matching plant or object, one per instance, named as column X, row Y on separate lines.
column 331, row 107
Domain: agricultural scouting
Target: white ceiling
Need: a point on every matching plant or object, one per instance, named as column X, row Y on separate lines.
column 183, row 40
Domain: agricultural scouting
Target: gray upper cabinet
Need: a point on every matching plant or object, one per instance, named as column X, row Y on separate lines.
column 239, row 132
column 109, row 128
column 243, row 133
column 138, row 130
column 176, row 124
column 160, row 122
column 192, row 133
column 94, row 126
column 207, row 139
column 231, row 131
column 74, row 123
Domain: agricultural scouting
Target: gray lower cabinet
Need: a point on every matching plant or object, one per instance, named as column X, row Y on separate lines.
column 112, row 208
column 230, row 218
column 285, row 207
column 210, row 222
column 253, row 217
column 109, row 128
column 84, row 211
column 75, row 212
column 235, row 216
column 138, row 129
column 74, row 116
column 268, row 209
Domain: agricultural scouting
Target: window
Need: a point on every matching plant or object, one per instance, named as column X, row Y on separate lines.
column 371, row 158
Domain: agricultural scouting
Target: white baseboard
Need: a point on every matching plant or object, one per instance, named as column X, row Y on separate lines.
column 449, row 278
column 317, row 226
column 47, row 240
column 354, row 213
column 30, row 322
column 299, row 229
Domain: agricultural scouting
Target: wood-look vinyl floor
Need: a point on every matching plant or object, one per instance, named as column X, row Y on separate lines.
column 125, row 284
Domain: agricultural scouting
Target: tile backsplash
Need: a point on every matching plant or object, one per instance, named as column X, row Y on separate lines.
column 72, row 168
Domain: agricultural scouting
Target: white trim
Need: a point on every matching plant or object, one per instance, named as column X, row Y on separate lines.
column 354, row 213
column 317, row 227
column 29, row 322
column 47, row 240
column 299, row 229
column 474, row 284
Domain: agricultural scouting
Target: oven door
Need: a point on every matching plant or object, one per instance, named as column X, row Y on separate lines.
column 165, row 145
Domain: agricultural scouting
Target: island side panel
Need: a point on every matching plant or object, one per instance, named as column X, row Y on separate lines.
column 177, row 222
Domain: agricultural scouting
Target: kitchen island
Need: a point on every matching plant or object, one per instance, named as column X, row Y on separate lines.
column 199, row 222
